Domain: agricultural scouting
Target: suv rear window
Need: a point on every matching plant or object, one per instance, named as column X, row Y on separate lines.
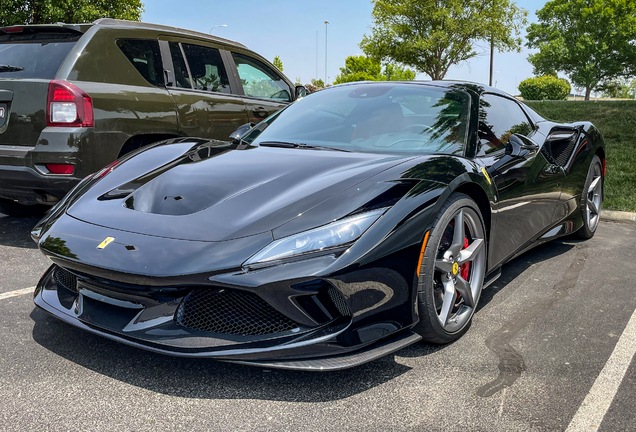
column 34, row 55
column 145, row 56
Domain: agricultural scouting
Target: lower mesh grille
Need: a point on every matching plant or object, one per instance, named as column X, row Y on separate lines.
column 339, row 301
column 230, row 312
column 65, row 278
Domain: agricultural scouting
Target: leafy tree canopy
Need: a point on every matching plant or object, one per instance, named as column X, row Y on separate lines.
column 278, row 63
column 432, row 36
column 317, row 83
column 590, row 41
column 362, row 68
column 68, row 11
column 619, row 89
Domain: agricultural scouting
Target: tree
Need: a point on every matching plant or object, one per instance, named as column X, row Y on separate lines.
column 359, row 68
column 317, row 83
column 619, row 89
column 590, row 41
column 278, row 63
column 362, row 68
column 394, row 72
column 23, row 12
column 431, row 36
column 503, row 28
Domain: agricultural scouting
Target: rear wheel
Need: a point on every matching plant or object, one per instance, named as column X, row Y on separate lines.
column 591, row 199
column 452, row 272
column 12, row 208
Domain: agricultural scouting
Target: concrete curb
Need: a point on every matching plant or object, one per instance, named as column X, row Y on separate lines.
column 618, row 216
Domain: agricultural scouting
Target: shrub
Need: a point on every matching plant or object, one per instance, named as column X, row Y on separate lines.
column 546, row 87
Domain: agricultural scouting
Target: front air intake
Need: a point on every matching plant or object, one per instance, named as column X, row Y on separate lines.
column 65, row 278
column 231, row 312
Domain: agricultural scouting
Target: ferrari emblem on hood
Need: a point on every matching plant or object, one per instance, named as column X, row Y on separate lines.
column 106, row 242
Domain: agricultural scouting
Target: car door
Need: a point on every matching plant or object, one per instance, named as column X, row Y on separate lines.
column 265, row 91
column 208, row 104
column 529, row 187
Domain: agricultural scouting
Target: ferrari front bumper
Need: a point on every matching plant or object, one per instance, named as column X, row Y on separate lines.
column 151, row 325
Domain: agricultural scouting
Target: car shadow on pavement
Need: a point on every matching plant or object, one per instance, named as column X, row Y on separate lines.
column 204, row 378
column 16, row 232
column 210, row 379
column 512, row 270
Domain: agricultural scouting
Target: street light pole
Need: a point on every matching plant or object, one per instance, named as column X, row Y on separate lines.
column 326, row 25
column 492, row 56
column 221, row 25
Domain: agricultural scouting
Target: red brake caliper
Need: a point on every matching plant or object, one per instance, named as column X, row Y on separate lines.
column 465, row 270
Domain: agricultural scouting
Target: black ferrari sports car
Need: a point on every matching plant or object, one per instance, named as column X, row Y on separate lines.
column 358, row 220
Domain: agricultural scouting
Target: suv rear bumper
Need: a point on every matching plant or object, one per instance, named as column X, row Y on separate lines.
column 22, row 181
column 27, row 185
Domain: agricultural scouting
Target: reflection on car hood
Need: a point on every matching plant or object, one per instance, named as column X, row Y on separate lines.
column 211, row 193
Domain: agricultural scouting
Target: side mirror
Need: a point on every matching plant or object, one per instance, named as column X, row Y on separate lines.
column 301, row 92
column 518, row 148
column 238, row 134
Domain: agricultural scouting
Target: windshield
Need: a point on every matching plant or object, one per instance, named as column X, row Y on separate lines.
column 31, row 55
column 393, row 118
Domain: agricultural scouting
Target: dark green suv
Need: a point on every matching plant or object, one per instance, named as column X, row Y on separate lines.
column 75, row 97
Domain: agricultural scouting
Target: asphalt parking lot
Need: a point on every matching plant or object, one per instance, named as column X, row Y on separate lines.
column 547, row 343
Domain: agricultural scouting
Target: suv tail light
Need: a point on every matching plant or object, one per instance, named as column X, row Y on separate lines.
column 60, row 168
column 67, row 105
column 12, row 29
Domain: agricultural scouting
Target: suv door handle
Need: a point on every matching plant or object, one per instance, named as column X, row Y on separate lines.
column 260, row 112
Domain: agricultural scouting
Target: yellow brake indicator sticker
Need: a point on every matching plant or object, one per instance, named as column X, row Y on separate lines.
column 486, row 175
column 106, row 242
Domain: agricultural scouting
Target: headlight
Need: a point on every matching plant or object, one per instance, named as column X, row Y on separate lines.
column 326, row 239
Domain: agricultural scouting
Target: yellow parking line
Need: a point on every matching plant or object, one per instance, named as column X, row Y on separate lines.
column 17, row 293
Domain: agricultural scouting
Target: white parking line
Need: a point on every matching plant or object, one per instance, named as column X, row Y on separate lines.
column 591, row 412
column 17, row 293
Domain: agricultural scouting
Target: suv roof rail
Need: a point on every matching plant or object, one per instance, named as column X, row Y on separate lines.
column 176, row 30
column 39, row 28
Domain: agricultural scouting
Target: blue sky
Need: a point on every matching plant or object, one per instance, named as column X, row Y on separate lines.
column 288, row 29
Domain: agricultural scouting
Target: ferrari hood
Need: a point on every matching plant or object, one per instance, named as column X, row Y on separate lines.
column 212, row 193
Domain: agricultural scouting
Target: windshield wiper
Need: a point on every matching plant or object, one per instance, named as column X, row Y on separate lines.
column 284, row 144
column 9, row 68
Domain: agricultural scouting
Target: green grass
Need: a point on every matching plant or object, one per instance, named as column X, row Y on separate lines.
column 617, row 122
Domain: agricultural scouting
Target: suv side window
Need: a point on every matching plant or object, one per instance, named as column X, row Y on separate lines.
column 181, row 75
column 206, row 67
column 259, row 80
column 145, row 56
column 499, row 118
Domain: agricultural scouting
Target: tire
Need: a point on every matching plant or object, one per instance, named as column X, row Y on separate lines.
column 12, row 208
column 445, row 316
column 591, row 200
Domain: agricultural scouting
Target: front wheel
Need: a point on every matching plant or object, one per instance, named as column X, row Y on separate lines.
column 451, row 275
